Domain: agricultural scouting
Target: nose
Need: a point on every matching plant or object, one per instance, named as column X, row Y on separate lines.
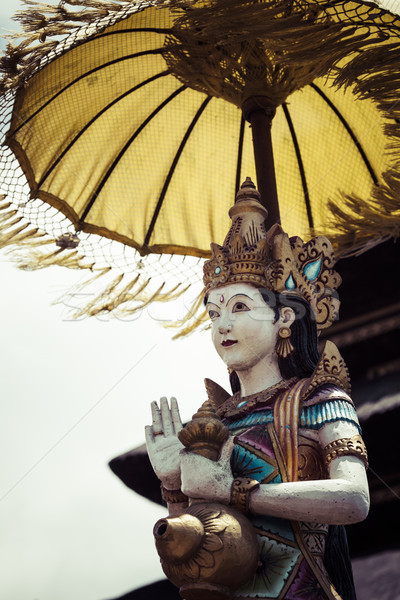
column 225, row 324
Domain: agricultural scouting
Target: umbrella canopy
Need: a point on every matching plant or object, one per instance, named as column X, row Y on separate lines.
column 132, row 126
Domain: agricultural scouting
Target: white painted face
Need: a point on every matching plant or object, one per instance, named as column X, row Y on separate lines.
column 244, row 330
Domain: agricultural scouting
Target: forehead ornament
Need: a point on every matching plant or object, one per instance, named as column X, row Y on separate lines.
column 221, row 299
column 273, row 261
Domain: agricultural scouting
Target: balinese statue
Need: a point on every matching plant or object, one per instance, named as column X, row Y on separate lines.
column 260, row 483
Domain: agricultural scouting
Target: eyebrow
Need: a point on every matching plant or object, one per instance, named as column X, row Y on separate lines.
column 213, row 303
column 231, row 298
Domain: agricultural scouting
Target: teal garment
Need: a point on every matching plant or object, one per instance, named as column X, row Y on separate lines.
column 311, row 417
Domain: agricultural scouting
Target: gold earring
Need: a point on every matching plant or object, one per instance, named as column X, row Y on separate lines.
column 284, row 346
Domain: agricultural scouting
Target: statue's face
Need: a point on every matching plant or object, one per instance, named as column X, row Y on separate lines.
column 244, row 330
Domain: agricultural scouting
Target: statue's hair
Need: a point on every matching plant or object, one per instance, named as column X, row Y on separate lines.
column 304, row 338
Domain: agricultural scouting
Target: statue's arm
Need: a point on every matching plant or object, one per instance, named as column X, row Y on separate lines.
column 341, row 499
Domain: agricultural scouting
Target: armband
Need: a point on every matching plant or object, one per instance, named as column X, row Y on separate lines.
column 173, row 496
column 240, row 493
column 353, row 446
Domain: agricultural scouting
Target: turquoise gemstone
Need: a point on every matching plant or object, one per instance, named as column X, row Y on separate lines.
column 290, row 284
column 312, row 269
column 242, row 404
column 217, row 270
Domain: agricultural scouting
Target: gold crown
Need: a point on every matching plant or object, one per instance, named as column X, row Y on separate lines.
column 269, row 259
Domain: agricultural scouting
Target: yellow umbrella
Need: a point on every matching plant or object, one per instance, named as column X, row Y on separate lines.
column 135, row 127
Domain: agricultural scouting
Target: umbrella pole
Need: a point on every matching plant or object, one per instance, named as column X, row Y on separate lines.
column 259, row 113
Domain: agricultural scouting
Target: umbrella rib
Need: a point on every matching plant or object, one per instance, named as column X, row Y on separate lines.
column 98, row 68
column 172, row 169
column 300, row 164
column 239, row 156
column 349, row 130
column 125, row 148
column 94, row 119
column 165, row 31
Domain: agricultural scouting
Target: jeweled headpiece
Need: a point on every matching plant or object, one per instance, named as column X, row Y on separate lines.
column 272, row 260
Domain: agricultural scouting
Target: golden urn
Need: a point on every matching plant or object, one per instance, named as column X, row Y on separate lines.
column 208, row 552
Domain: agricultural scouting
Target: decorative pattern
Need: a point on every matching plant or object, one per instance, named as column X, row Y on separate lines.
column 173, row 496
column 234, row 407
column 205, row 434
column 277, row 562
column 305, row 586
column 316, row 416
column 310, row 463
column 353, row 446
column 240, row 493
column 331, row 368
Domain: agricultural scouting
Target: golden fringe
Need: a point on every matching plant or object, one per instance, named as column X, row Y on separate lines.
column 21, row 235
column 43, row 21
column 129, row 300
column 236, row 50
column 192, row 320
column 34, row 261
column 365, row 224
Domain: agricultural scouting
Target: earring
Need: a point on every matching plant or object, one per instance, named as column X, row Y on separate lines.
column 284, row 346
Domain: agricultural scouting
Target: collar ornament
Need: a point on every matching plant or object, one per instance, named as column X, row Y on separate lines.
column 236, row 406
column 272, row 260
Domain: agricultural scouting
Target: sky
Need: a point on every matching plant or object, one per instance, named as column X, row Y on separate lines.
column 74, row 395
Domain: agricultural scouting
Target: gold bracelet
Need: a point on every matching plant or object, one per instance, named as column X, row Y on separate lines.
column 173, row 496
column 240, row 493
column 353, row 446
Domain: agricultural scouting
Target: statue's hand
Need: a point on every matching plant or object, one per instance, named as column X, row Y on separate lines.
column 163, row 446
column 207, row 479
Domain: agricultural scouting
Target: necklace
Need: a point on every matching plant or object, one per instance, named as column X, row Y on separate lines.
column 236, row 405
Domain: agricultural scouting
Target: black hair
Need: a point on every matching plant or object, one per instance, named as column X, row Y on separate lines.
column 304, row 337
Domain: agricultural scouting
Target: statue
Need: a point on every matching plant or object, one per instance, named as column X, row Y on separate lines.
column 281, row 462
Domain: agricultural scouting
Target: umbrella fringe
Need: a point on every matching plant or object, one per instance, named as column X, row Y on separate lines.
column 41, row 22
column 125, row 301
column 364, row 223
column 20, row 235
column 61, row 257
column 194, row 318
column 242, row 39
column 25, row 246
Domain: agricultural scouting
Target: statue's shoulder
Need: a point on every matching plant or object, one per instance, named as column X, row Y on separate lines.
column 216, row 393
column 331, row 372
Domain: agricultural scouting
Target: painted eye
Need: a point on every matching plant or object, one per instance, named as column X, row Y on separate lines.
column 240, row 307
column 213, row 314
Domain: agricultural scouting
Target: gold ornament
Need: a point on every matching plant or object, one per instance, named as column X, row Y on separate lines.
column 240, row 493
column 283, row 345
column 269, row 259
column 205, row 434
column 353, row 446
column 173, row 496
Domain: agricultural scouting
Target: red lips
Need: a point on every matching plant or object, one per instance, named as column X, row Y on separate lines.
column 229, row 343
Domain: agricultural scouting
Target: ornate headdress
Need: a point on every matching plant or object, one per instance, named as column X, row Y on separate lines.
column 272, row 260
